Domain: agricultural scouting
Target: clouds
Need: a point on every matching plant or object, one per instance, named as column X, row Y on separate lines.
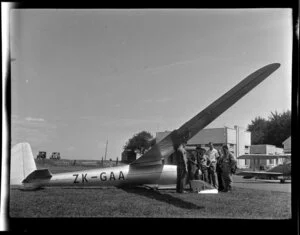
column 111, row 121
column 100, row 144
column 116, row 105
column 34, row 130
column 128, row 122
column 70, row 149
column 87, row 118
column 30, row 119
column 172, row 64
column 157, row 101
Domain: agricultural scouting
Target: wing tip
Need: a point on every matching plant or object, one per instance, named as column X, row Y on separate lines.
column 274, row 66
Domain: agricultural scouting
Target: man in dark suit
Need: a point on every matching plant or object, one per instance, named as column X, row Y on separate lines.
column 182, row 170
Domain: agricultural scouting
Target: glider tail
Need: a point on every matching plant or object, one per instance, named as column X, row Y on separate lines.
column 22, row 163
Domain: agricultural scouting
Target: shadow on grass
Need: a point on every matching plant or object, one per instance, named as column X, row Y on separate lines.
column 261, row 182
column 166, row 198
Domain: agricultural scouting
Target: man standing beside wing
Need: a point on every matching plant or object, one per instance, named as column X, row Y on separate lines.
column 182, row 170
column 228, row 167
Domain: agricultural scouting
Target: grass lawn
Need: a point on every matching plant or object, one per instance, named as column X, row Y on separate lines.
column 138, row 202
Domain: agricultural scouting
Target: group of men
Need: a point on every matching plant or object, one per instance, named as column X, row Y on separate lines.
column 212, row 166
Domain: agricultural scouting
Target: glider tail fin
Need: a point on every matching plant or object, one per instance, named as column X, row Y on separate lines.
column 22, row 163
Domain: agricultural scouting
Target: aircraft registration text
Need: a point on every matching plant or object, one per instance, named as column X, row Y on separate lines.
column 103, row 177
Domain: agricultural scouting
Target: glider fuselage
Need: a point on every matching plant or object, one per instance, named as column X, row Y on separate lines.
column 113, row 176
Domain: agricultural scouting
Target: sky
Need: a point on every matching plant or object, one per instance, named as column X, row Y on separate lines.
column 81, row 78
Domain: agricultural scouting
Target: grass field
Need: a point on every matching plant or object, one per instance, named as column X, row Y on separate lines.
column 139, row 202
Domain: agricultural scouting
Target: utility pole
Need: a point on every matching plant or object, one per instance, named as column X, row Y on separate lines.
column 106, row 150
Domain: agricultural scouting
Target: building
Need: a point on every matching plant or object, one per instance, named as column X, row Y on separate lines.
column 265, row 149
column 287, row 145
column 237, row 139
column 128, row 156
column 269, row 150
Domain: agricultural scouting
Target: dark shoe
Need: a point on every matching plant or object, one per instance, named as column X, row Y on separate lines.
column 181, row 191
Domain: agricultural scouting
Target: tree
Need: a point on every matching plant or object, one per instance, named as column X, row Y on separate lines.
column 258, row 129
column 141, row 141
column 279, row 128
column 272, row 131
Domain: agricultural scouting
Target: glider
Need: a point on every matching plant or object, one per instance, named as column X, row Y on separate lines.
column 150, row 168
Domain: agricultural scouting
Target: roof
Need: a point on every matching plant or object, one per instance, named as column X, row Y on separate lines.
column 288, row 140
